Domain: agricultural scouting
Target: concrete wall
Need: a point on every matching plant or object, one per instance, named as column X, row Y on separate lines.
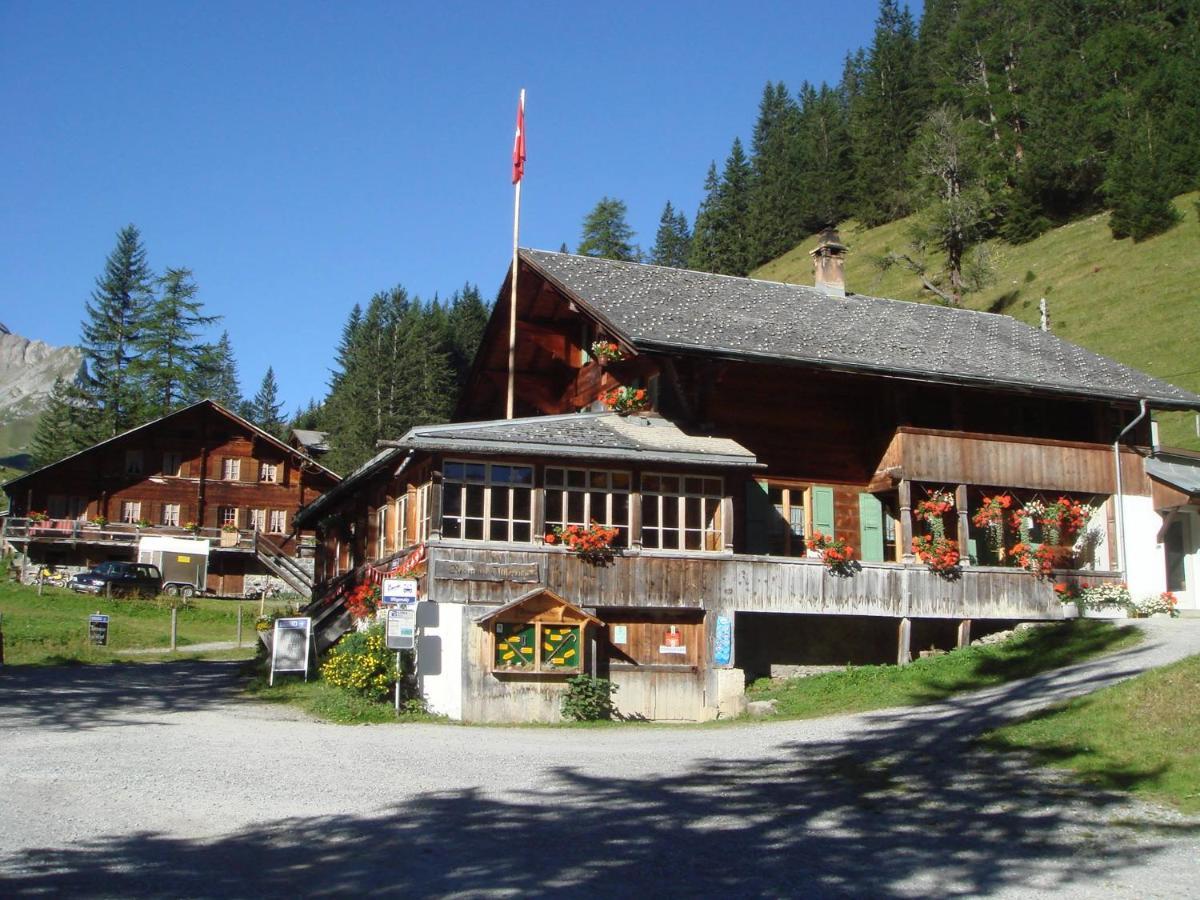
column 1145, row 562
column 440, row 676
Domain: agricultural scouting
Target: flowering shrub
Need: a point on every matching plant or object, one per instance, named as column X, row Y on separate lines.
column 593, row 543
column 1165, row 603
column 1107, row 594
column 625, row 399
column 38, row 516
column 363, row 601
column 143, row 523
column 837, row 555
column 362, row 663
column 940, row 554
column 193, row 527
column 990, row 517
column 607, row 351
column 98, row 521
column 933, row 508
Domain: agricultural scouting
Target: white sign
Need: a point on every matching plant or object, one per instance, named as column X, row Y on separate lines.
column 402, row 627
column 290, row 646
column 679, row 650
column 399, row 590
column 620, row 634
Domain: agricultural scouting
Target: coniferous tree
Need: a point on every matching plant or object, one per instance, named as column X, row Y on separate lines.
column 773, row 217
column 63, row 427
column 116, row 317
column 702, row 255
column 821, row 155
column 731, row 240
column 266, row 410
column 672, row 243
column 216, row 375
column 606, row 233
column 172, row 359
column 466, row 319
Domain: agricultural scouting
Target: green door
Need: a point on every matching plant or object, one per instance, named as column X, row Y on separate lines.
column 822, row 514
column 870, row 528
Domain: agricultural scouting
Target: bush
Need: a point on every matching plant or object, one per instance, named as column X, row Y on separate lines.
column 588, row 699
column 361, row 663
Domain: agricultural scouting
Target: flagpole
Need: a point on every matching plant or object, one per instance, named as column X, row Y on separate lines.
column 512, row 302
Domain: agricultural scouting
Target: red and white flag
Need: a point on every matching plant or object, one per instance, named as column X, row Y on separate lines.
column 519, row 142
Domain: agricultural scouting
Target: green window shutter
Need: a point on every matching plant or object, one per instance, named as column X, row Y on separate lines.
column 822, row 512
column 758, row 517
column 870, row 528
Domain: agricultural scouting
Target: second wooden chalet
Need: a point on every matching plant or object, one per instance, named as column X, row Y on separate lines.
column 733, row 437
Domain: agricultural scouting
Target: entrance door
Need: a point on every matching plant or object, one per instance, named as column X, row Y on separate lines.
column 1183, row 559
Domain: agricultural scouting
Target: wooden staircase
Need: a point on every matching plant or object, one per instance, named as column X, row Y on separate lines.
column 282, row 565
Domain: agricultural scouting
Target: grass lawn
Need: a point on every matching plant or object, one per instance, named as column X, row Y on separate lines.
column 52, row 629
column 862, row 688
column 1139, row 736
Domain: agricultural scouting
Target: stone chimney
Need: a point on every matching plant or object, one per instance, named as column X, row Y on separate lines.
column 829, row 263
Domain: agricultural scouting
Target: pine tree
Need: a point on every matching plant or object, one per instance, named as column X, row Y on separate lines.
column 823, row 159
column 116, row 317
column 606, row 234
column 1137, row 186
column 266, row 410
column 465, row 321
column 216, row 376
column 773, row 212
column 173, row 361
column 702, row 255
column 63, row 427
column 732, row 250
column 673, row 241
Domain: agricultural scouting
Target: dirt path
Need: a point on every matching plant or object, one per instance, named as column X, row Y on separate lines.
column 159, row 781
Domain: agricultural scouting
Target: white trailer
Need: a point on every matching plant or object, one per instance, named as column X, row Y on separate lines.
column 182, row 561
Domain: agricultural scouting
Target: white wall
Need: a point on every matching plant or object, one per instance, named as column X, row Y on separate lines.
column 440, row 656
column 1145, row 563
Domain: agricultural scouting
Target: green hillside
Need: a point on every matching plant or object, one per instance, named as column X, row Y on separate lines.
column 1137, row 303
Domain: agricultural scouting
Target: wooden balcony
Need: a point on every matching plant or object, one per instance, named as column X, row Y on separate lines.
column 472, row 573
column 22, row 531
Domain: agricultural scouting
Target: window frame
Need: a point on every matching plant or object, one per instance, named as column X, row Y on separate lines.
column 789, row 488
column 274, row 515
column 712, row 529
column 172, row 456
column 231, row 468
column 135, row 461
column 256, row 519
column 588, row 491
column 268, row 468
column 131, row 511
column 168, row 520
column 490, row 486
column 224, row 518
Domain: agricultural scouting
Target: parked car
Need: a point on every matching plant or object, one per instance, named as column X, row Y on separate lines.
column 125, row 577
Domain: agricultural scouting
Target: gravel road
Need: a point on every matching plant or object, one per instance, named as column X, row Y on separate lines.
column 157, row 781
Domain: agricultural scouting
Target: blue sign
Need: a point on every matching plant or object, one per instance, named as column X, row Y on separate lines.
column 723, row 641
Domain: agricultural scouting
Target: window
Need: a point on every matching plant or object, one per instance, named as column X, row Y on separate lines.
column 231, row 469
column 278, row 523
column 170, row 514
column 172, row 463
column 268, row 472
column 788, row 526
column 583, row 496
column 424, row 514
column 227, row 515
column 681, row 512
column 487, row 501
column 381, row 531
column 133, row 462
column 258, row 520
column 131, row 511
column 402, row 521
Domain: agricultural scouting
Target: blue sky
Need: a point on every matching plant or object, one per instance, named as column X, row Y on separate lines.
column 299, row 157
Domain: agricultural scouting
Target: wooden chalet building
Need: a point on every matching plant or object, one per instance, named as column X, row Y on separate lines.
column 199, row 472
column 773, row 411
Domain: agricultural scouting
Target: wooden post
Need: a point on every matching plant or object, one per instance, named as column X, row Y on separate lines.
column 964, row 524
column 906, row 522
column 635, row 510
column 239, row 637
column 904, row 651
column 964, row 633
column 174, row 627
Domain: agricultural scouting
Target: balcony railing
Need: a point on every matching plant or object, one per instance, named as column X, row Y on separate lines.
column 22, row 530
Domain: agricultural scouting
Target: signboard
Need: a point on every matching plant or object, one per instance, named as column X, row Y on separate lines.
column 401, row 631
column 399, row 590
column 290, row 646
column 723, row 642
column 98, row 629
column 467, row 570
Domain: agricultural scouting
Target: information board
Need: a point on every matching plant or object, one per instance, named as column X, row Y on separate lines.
column 290, row 646
column 98, row 629
column 399, row 590
column 723, row 641
column 402, row 627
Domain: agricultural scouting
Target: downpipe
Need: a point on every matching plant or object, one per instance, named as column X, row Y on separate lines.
column 1122, row 565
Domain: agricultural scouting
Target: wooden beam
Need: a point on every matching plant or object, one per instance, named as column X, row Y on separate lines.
column 906, row 521
column 904, row 649
column 964, row 521
column 964, row 634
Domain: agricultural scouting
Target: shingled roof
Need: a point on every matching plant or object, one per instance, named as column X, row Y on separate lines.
column 678, row 310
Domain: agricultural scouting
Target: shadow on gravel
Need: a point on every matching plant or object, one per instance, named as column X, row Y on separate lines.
column 74, row 697
column 900, row 806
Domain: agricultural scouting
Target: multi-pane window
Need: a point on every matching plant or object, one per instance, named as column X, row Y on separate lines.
column 170, row 514
column 381, row 531
column 231, row 469
column 278, row 523
column 258, row 520
column 172, row 463
column 583, row 496
column 133, row 462
column 227, row 515
column 487, row 501
column 268, row 472
column 787, row 527
column 681, row 512
column 131, row 511
column 402, row 521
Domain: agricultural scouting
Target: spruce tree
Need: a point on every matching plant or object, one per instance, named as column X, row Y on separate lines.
column 63, row 427
column 672, row 243
column 773, row 211
column 702, row 255
column 731, row 240
column 173, row 361
column 606, row 234
column 266, row 410
column 466, row 319
column 216, row 376
column 116, row 318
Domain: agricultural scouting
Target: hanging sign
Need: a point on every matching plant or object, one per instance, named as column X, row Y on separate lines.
column 399, row 590
column 290, row 646
column 723, row 642
column 401, row 631
column 98, row 629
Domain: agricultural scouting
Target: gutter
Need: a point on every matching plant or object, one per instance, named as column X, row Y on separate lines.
column 1121, row 557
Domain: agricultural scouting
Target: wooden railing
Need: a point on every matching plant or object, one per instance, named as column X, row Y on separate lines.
column 21, row 530
column 459, row 572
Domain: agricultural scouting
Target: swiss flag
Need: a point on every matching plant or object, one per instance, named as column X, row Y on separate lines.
column 519, row 142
